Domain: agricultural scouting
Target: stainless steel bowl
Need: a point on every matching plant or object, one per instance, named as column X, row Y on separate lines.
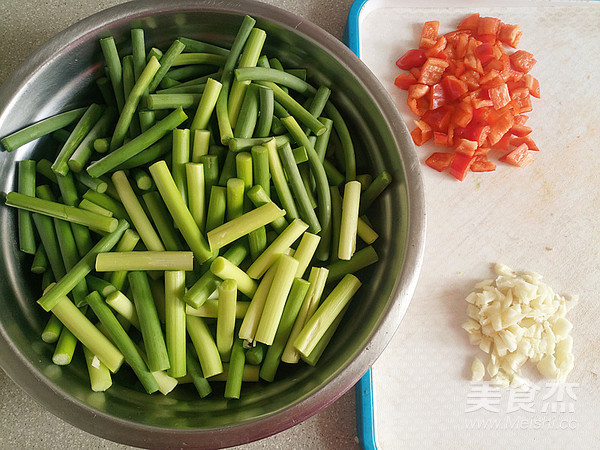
column 57, row 77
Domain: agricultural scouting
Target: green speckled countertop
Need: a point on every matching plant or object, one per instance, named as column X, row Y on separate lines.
column 25, row 25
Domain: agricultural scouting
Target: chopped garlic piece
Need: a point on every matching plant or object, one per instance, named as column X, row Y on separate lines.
column 477, row 370
column 516, row 318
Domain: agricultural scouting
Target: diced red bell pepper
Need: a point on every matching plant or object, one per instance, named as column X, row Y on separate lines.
column 533, row 85
column 438, row 96
column 463, row 113
column 488, row 25
column 429, row 34
column 480, row 99
column 470, row 23
column 520, row 130
column 487, row 38
column 523, row 99
column 499, row 96
column 465, row 147
column 422, row 133
column 460, row 166
column 500, row 128
column 482, row 151
column 491, row 79
column 494, row 64
column 418, row 90
column 439, row 118
column 512, row 107
column 521, row 119
column 503, row 143
column 482, row 164
column 485, row 53
column 441, row 139
column 470, row 94
column 405, row 80
column 412, row 58
column 432, row 71
column 417, row 100
column 481, row 115
column 531, row 145
column 440, row 161
column 476, row 131
column 509, row 34
column 472, row 62
column 461, row 46
column 471, row 78
column 519, row 157
column 451, row 133
column 437, row 51
column 498, row 50
column 522, row 61
column 460, row 69
column 418, row 105
column 505, row 60
column 454, row 87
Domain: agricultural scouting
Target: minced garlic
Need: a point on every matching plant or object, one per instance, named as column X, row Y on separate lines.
column 516, row 318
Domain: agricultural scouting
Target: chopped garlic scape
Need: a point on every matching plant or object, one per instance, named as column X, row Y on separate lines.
column 516, row 318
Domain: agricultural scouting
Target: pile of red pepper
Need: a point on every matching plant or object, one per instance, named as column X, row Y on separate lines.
column 471, row 95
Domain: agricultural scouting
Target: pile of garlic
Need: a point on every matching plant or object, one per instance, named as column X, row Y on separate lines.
column 516, row 318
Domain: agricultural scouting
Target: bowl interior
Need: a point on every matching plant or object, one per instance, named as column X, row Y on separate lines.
column 124, row 412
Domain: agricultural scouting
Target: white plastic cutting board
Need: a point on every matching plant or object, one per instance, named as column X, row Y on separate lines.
column 542, row 218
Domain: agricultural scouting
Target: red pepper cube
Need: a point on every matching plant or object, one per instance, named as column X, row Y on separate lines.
column 437, row 51
column 500, row 128
column 482, row 164
column 441, row 139
column 422, row 133
column 493, row 65
column 519, row 157
column 488, row 26
column 509, row 34
column 533, row 85
column 523, row 99
column 466, row 147
column 504, row 143
column 476, row 131
column 499, row 96
column 412, row 58
column 522, row 61
column 460, row 166
column 454, row 87
column 471, row 78
column 432, row 71
column 417, row 99
column 516, row 141
column 491, row 78
column 440, row 161
column 498, row 50
column 470, row 23
column 429, row 35
column 439, row 118
column 405, row 80
column 461, row 46
column 521, row 119
column 438, row 96
column 430, row 29
column 485, row 53
column 463, row 113
column 472, row 62
column 519, row 130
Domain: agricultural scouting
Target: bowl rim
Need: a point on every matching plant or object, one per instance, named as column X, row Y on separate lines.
column 103, row 424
